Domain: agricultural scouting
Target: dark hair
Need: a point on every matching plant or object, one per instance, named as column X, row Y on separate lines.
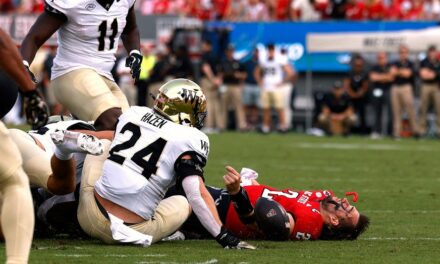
column 346, row 232
column 270, row 46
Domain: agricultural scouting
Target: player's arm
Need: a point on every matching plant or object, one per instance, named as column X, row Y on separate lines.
column 276, row 226
column 190, row 173
column 239, row 197
column 130, row 35
column 37, row 112
column 12, row 64
column 290, row 73
column 364, row 87
column 44, row 27
column 131, row 40
column 257, row 75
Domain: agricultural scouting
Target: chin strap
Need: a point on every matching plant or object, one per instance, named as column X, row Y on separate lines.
column 354, row 194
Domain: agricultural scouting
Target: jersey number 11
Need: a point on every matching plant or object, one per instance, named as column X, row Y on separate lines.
column 103, row 33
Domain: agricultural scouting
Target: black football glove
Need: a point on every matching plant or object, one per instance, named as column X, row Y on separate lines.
column 37, row 112
column 31, row 74
column 134, row 61
column 229, row 241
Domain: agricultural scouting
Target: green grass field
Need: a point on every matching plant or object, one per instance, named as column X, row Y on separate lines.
column 398, row 185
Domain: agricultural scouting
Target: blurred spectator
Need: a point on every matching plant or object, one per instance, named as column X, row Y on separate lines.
column 278, row 9
column 236, row 10
column 415, row 10
column 202, row 9
column 210, row 84
column 431, row 9
column 55, row 107
column 381, row 80
column 232, row 76
column 272, row 74
column 402, row 97
column 181, row 66
column 356, row 86
column 304, row 10
column 30, row 6
column 147, row 65
column 6, row 6
column 375, row 10
column 256, row 11
column 159, row 73
column 251, row 92
column 429, row 90
column 337, row 115
column 394, row 10
column 355, row 10
column 337, row 9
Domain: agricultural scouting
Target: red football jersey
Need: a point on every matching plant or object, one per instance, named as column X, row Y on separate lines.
column 303, row 205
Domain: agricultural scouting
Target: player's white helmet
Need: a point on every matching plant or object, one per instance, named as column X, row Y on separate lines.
column 182, row 101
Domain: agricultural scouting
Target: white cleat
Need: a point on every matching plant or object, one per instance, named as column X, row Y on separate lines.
column 76, row 142
column 176, row 236
column 242, row 245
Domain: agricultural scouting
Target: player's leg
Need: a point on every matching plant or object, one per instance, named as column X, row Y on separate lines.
column 36, row 161
column 17, row 217
column 396, row 109
column 86, row 95
column 280, row 107
column 170, row 214
column 265, row 105
column 437, row 110
column 91, row 219
column 63, row 178
column 107, row 119
column 408, row 104
column 240, row 116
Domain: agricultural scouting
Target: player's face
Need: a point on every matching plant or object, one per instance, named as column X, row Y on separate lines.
column 344, row 211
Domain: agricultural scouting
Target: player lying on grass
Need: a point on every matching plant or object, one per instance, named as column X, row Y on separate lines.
column 303, row 215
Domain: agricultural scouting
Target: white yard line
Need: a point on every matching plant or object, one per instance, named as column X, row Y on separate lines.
column 211, row 261
column 402, row 211
column 73, row 255
column 353, row 146
column 402, row 238
column 135, row 255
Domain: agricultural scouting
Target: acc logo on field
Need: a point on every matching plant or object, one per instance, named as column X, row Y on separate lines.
column 90, row 6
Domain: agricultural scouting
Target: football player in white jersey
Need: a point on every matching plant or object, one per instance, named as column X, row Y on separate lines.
column 272, row 74
column 17, row 218
column 52, row 154
column 88, row 36
column 153, row 149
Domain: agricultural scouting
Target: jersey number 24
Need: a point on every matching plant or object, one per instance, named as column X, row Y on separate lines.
column 155, row 149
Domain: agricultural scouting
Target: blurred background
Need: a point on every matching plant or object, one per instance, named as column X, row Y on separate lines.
column 322, row 67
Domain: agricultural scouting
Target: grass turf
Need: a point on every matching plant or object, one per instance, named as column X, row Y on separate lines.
column 398, row 185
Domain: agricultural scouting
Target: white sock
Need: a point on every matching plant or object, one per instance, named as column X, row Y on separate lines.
column 62, row 155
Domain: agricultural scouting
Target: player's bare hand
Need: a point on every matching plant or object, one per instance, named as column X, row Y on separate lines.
column 232, row 180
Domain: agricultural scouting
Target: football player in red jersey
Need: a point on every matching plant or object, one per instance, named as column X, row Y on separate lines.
column 312, row 215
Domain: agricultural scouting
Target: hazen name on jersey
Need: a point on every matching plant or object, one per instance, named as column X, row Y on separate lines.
column 154, row 120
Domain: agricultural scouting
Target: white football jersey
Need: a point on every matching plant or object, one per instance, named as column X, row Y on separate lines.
column 90, row 36
column 272, row 71
column 143, row 155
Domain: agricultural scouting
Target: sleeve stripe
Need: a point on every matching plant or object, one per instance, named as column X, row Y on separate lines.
column 53, row 11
